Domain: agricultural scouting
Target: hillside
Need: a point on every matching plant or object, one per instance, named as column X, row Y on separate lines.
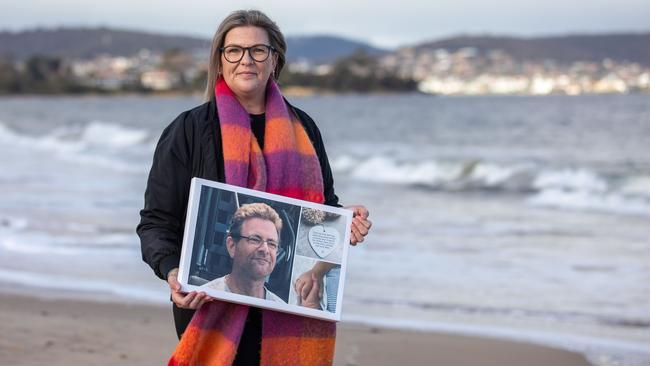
column 633, row 47
column 90, row 42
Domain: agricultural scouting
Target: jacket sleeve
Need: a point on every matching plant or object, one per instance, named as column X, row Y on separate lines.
column 165, row 199
column 328, row 180
column 331, row 198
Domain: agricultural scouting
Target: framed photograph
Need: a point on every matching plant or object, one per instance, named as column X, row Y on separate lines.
column 265, row 250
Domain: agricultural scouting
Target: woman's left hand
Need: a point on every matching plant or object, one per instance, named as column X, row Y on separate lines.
column 360, row 223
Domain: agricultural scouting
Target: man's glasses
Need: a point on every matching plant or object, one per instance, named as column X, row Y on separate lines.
column 257, row 241
column 258, row 52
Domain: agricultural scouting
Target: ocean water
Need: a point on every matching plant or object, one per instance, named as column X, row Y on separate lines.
column 516, row 217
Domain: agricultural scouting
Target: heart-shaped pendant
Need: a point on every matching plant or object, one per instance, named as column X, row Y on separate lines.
column 323, row 239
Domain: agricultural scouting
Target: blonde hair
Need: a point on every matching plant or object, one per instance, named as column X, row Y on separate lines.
column 254, row 210
column 242, row 18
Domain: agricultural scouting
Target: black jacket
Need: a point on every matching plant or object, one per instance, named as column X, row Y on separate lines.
column 191, row 147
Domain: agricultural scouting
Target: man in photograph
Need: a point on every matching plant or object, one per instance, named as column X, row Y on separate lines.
column 252, row 243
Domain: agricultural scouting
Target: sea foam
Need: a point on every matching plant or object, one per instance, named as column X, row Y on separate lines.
column 84, row 285
column 558, row 188
column 103, row 144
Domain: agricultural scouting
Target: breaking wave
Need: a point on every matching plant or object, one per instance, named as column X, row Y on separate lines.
column 567, row 188
column 98, row 143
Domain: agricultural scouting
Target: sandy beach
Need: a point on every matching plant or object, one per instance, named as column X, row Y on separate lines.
column 78, row 332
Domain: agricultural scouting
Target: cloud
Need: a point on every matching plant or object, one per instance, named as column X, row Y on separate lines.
column 402, row 22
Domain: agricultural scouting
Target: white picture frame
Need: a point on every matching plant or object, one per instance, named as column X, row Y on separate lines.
column 205, row 259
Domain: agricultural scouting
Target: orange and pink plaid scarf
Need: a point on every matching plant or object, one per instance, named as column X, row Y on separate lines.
column 288, row 165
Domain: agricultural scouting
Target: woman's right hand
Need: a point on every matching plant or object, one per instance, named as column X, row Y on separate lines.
column 191, row 300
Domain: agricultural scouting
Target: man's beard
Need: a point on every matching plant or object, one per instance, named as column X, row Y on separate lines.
column 259, row 267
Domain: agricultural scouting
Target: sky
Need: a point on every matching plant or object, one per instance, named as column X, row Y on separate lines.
column 382, row 23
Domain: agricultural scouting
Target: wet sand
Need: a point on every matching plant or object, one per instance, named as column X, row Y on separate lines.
column 78, row 332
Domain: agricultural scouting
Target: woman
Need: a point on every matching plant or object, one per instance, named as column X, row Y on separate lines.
column 246, row 134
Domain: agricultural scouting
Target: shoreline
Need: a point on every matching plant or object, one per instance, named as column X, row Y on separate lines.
column 61, row 331
column 291, row 91
column 306, row 91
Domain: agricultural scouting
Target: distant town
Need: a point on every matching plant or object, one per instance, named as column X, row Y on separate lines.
column 465, row 72
column 439, row 71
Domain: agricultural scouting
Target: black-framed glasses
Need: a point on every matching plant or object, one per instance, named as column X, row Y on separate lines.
column 258, row 52
column 257, row 241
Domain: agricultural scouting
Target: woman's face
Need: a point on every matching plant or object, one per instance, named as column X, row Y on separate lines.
column 247, row 78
